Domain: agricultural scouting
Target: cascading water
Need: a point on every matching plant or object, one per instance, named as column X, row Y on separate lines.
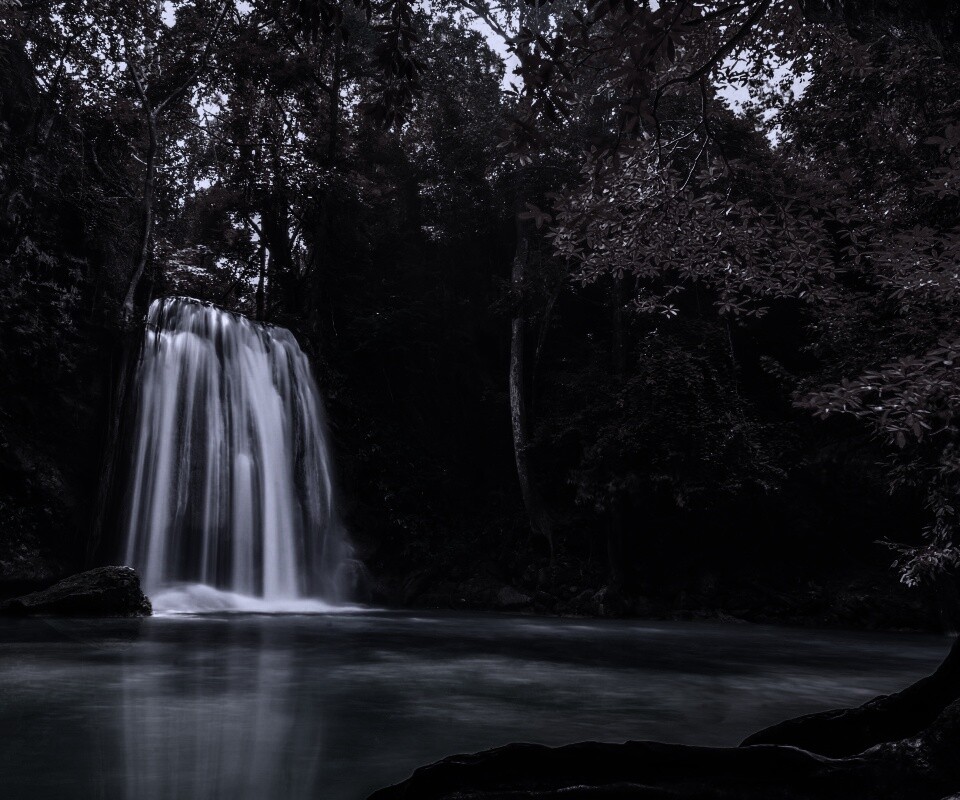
column 230, row 484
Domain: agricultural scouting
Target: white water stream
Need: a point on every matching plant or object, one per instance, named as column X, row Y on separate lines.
column 230, row 492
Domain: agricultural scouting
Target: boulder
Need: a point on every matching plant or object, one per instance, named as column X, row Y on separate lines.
column 510, row 598
column 896, row 747
column 924, row 767
column 848, row 731
column 100, row 592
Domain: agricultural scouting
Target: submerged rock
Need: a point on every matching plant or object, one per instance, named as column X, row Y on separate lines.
column 100, row 592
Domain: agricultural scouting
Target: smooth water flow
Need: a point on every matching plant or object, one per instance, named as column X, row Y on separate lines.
column 333, row 707
column 230, row 483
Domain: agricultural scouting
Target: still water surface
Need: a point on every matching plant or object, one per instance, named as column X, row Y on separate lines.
column 332, row 707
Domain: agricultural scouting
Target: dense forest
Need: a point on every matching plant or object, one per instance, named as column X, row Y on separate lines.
column 617, row 308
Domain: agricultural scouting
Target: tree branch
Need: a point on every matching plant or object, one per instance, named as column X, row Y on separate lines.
column 106, row 178
column 485, row 16
column 201, row 65
column 721, row 52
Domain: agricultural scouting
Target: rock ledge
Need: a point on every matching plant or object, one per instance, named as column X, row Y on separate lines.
column 100, row 592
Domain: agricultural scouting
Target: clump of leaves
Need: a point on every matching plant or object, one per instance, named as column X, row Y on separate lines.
column 913, row 406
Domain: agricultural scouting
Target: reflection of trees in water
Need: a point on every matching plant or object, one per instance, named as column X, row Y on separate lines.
column 223, row 722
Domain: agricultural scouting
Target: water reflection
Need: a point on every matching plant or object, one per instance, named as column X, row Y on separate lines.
column 332, row 707
column 226, row 722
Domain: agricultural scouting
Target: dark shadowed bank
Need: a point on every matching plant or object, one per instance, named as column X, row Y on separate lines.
column 896, row 746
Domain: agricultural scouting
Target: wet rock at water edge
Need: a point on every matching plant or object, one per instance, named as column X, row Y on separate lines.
column 896, row 747
column 923, row 767
column 849, row 731
column 100, row 592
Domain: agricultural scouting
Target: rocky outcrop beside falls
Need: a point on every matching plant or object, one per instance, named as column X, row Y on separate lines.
column 100, row 592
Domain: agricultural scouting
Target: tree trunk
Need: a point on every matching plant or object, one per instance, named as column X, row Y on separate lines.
column 282, row 276
column 540, row 520
column 261, row 277
column 621, row 577
column 146, row 205
column 333, row 142
column 103, row 540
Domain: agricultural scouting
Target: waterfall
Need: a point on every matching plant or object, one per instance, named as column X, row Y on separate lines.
column 230, row 483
